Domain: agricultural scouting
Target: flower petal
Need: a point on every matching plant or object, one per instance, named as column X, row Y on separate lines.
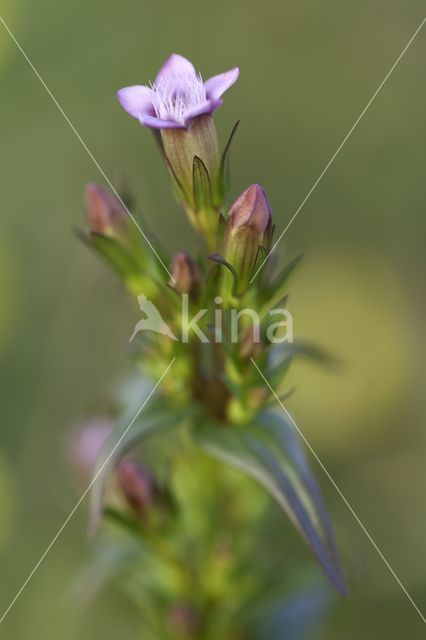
column 205, row 107
column 175, row 65
column 152, row 122
column 136, row 100
column 217, row 85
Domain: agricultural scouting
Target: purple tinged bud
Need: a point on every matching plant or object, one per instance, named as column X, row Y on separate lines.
column 138, row 486
column 186, row 275
column 183, row 620
column 105, row 213
column 85, row 444
column 250, row 342
column 247, row 228
column 250, row 211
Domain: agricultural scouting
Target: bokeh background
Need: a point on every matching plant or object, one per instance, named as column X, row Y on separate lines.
column 307, row 70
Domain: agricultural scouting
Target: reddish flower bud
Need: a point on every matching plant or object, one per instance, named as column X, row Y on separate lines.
column 184, row 621
column 105, row 212
column 85, row 444
column 186, row 275
column 250, row 210
column 250, row 342
column 247, row 228
column 138, row 485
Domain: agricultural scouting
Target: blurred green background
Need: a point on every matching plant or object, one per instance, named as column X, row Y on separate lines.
column 307, row 70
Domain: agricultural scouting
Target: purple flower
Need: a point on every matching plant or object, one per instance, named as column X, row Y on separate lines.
column 177, row 96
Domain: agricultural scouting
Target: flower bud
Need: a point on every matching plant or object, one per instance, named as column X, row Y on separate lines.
column 138, row 485
column 247, row 228
column 85, row 444
column 183, row 620
column 105, row 213
column 186, row 275
column 250, row 342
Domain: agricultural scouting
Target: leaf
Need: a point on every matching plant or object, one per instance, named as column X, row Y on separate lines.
column 118, row 257
column 283, row 353
column 201, row 185
column 268, row 451
column 155, row 421
column 284, row 396
column 107, row 562
column 276, row 291
column 297, row 616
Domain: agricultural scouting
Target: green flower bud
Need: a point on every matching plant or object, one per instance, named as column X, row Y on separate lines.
column 186, row 275
column 247, row 228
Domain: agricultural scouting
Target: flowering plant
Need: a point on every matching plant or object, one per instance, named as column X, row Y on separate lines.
column 184, row 523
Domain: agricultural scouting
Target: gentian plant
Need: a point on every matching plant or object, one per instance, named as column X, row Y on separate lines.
column 196, row 448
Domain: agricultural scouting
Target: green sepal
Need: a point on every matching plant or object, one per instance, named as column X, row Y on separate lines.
column 201, row 185
column 115, row 254
column 223, row 180
column 220, row 260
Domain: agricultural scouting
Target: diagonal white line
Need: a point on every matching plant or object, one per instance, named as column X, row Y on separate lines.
column 339, row 492
column 339, row 148
column 76, row 506
column 86, row 148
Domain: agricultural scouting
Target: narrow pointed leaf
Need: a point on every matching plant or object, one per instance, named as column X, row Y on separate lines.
column 288, row 350
column 113, row 253
column 277, row 290
column 269, row 452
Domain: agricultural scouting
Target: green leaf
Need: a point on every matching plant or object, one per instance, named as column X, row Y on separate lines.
column 107, row 562
column 271, row 403
column 201, row 185
column 284, row 353
column 116, row 255
column 268, row 451
column 277, row 290
column 155, row 420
